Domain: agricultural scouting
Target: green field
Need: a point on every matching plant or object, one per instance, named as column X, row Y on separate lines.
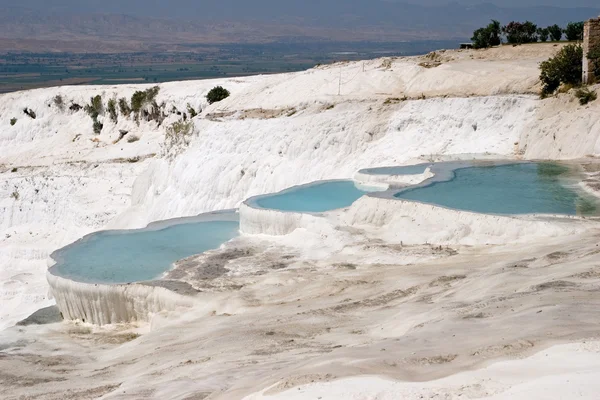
column 19, row 71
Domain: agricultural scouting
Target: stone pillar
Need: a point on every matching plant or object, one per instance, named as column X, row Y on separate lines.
column 591, row 39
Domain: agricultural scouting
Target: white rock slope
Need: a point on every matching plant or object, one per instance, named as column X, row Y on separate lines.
column 60, row 181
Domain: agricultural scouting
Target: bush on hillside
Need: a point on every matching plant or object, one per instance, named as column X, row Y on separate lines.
column 574, row 31
column 58, row 102
column 124, row 107
column 585, row 95
column 112, row 110
column 13, row 121
column 29, row 112
column 177, row 137
column 488, row 36
column 191, row 111
column 564, row 68
column 142, row 98
column 95, row 107
column 216, row 94
column 556, row 32
column 97, row 126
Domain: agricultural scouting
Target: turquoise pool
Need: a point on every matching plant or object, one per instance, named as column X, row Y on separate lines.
column 528, row 188
column 139, row 255
column 316, row 197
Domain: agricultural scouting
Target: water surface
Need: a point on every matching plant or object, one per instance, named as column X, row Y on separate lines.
column 316, row 197
column 139, row 255
column 527, row 188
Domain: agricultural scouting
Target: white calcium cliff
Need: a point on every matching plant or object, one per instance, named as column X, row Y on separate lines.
column 103, row 304
column 409, row 222
column 385, row 181
column 60, row 181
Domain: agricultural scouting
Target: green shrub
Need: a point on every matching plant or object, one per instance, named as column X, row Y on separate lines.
column 13, row 121
column 216, row 94
column 141, row 98
column 112, row 110
column 566, row 88
column 97, row 127
column 29, row 112
column 58, row 102
column 191, row 111
column 177, row 137
column 137, row 101
column 152, row 93
column 180, row 128
column 564, row 68
column 585, row 95
column 124, row 107
column 95, row 107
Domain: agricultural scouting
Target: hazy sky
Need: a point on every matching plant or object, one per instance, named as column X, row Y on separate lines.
column 137, row 6
column 280, row 10
column 512, row 3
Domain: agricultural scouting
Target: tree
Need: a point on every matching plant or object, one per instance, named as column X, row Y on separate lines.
column 556, row 33
column 564, row 68
column 520, row 32
column 216, row 94
column 488, row 36
column 574, row 31
column 530, row 32
column 543, row 34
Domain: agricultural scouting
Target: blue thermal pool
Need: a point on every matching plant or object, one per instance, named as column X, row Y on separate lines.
column 528, row 188
column 316, row 197
column 139, row 255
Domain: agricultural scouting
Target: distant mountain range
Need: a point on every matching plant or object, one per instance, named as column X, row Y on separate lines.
column 69, row 25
